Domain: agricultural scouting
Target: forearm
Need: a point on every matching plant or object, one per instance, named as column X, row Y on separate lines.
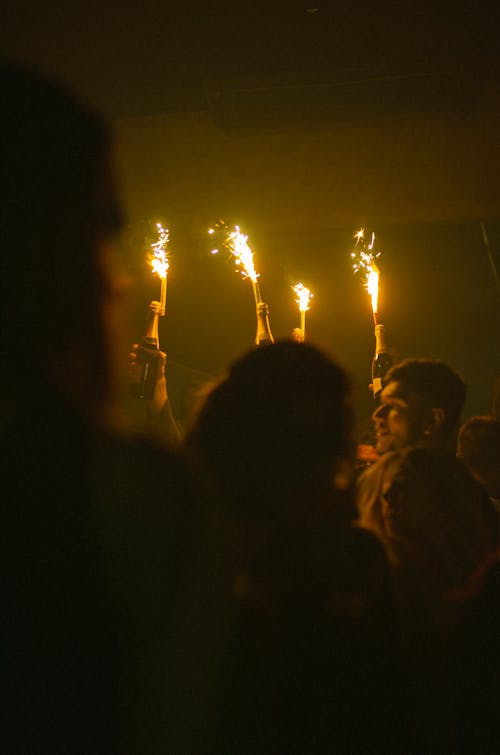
column 162, row 424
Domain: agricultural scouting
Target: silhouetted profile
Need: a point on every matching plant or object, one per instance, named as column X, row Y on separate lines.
column 304, row 600
column 93, row 521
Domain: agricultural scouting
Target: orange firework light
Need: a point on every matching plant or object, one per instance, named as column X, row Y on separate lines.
column 159, row 263
column 236, row 243
column 304, row 296
column 364, row 257
column 146, row 364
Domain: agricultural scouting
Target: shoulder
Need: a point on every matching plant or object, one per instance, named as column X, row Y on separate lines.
column 372, row 475
column 370, row 484
column 139, row 475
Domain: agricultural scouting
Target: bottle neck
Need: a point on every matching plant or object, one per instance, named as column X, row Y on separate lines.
column 380, row 342
column 150, row 338
column 382, row 361
column 263, row 335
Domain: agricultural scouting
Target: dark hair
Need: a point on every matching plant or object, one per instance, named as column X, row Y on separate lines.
column 436, row 382
column 58, row 203
column 479, row 442
column 273, row 427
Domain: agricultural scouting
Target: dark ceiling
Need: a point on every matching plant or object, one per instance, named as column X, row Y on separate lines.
column 152, row 57
column 248, row 62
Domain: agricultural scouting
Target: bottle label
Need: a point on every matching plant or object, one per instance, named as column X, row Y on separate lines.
column 376, row 385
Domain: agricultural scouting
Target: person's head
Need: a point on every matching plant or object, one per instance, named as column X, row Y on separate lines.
column 478, row 445
column 276, row 431
column 420, row 404
column 59, row 214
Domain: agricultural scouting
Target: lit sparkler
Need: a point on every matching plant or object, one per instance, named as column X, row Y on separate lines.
column 159, row 263
column 304, row 296
column 146, row 364
column 236, row 243
column 364, row 261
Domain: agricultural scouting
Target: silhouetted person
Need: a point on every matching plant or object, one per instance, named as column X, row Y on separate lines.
column 434, row 519
column 476, row 662
column 93, row 522
column 420, row 406
column 478, row 446
column 305, row 600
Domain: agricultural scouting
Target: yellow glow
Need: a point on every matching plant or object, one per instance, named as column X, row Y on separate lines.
column 372, row 286
column 304, row 296
column 237, row 244
column 364, row 261
column 159, row 262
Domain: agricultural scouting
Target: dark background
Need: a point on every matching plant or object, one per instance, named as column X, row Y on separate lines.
column 301, row 122
column 135, row 58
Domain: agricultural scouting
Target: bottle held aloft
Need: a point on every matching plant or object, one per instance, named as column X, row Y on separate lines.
column 263, row 336
column 147, row 359
column 382, row 360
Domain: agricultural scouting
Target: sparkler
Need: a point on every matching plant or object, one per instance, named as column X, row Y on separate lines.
column 364, row 261
column 235, row 242
column 160, row 265
column 147, row 363
column 364, row 257
column 304, row 296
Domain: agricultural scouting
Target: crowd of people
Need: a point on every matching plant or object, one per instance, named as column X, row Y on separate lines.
column 237, row 587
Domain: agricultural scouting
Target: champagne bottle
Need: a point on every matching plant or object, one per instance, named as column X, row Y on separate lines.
column 147, row 358
column 263, row 335
column 382, row 361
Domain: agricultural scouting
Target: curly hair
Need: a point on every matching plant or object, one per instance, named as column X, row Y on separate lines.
column 275, row 425
column 434, row 381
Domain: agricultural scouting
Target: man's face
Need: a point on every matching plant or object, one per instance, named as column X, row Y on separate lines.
column 400, row 418
column 381, row 431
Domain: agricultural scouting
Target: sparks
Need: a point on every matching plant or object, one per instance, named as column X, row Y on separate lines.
column 236, row 243
column 304, row 296
column 159, row 261
column 364, row 262
column 243, row 255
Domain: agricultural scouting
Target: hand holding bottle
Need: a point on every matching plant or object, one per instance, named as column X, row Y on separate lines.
column 147, row 370
column 382, row 361
column 159, row 418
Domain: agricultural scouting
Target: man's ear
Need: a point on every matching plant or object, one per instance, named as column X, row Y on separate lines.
column 434, row 421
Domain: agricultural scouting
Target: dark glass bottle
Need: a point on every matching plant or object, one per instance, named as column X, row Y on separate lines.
column 148, row 356
column 382, row 361
column 263, row 335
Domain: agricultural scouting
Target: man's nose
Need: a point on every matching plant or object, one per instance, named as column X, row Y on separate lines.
column 380, row 412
